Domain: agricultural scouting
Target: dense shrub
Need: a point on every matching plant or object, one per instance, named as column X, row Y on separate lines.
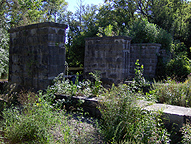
column 165, row 39
column 179, row 48
column 179, row 67
column 144, row 32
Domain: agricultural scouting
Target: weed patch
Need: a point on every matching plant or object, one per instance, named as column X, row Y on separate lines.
column 174, row 93
column 36, row 121
column 123, row 121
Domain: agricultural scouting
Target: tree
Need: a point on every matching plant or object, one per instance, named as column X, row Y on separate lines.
column 119, row 13
column 173, row 16
column 22, row 12
column 54, row 9
column 82, row 24
column 4, row 47
column 179, row 67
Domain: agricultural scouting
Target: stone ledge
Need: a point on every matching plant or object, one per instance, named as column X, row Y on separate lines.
column 37, row 25
column 109, row 37
column 89, row 105
column 146, row 44
column 173, row 116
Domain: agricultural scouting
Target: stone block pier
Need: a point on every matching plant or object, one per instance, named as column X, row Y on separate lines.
column 37, row 54
column 115, row 58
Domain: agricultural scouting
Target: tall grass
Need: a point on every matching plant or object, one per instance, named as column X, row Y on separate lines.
column 30, row 124
column 38, row 122
column 124, row 121
column 174, row 93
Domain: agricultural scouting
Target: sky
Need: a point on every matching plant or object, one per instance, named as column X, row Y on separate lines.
column 72, row 4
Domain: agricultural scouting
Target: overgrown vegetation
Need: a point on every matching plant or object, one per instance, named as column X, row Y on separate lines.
column 186, row 131
column 4, row 49
column 173, row 92
column 32, row 118
column 166, row 22
column 124, row 121
column 39, row 118
column 36, row 121
column 79, row 88
column 142, row 31
column 179, row 67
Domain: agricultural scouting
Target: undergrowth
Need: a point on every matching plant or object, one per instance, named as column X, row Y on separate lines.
column 39, row 119
column 186, row 132
column 84, row 88
column 124, row 122
column 36, row 121
column 173, row 92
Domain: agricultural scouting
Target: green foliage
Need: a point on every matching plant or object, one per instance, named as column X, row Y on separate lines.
column 162, row 14
column 179, row 48
column 139, row 78
column 82, row 24
column 4, row 47
column 96, row 88
column 23, row 12
column 54, row 9
column 174, row 93
column 75, row 51
column 179, row 67
column 142, row 31
column 124, row 121
column 4, row 53
column 37, row 122
column 84, row 88
column 186, row 132
column 31, row 124
column 165, row 39
column 118, row 13
column 138, row 84
column 150, row 96
column 108, row 31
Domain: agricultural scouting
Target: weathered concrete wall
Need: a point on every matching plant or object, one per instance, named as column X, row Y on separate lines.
column 37, row 54
column 109, row 55
column 115, row 58
column 147, row 54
